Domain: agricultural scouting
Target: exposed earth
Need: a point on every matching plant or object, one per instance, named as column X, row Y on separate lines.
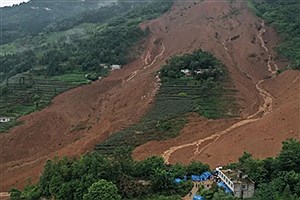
column 82, row 117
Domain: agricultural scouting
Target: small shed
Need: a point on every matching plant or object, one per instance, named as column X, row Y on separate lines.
column 115, row 67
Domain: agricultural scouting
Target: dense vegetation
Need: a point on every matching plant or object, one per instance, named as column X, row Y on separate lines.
column 51, row 61
column 210, row 94
column 206, row 89
column 94, row 173
column 110, row 43
column 122, row 178
column 17, row 20
column 284, row 16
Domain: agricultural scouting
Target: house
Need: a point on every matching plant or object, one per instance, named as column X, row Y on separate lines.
column 4, row 119
column 239, row 184
column 187, row 72
column 105, row 66
column 114, row 67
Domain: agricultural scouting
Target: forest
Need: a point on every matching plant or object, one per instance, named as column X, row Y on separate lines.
column 284, row 17
column 94, row 176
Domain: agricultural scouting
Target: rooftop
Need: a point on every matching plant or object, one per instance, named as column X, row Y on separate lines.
column 236, row 176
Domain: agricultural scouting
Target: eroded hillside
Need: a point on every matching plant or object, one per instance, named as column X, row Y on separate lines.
column 238, row 38
column 79, row 119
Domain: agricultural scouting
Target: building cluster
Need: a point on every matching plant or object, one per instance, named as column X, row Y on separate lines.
column 188, row 72
column 112, row 67
column 5, row 119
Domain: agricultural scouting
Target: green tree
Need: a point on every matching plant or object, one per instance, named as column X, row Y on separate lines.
column 149, row 166
column 31, row 192
column 289, row 157
column 102, row 190
column 162, row 181
column 196, row 168
column 45, row 178
column 178, row 170
column 15, row 194
column 221, row 195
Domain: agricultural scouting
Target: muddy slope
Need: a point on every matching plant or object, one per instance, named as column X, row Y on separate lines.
column 270, row 111
column 85, row 116
column 79, row 119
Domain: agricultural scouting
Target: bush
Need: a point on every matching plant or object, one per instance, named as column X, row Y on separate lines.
column 102, row 190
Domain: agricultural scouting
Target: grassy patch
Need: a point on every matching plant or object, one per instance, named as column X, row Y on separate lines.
column 73, row 77
column 8, row 49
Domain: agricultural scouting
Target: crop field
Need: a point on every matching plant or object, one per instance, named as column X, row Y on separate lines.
column 31, row 93
column 175, row 99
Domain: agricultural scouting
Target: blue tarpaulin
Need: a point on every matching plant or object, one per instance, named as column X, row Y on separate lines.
column 178, row 180
column 203, row 177
column 195, row 178
column 224, row 186
column 198, row 197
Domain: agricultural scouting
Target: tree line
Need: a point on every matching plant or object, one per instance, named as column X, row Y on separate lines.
column 94, row 176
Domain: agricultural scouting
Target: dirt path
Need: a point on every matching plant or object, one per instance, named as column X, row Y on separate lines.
column 192, row 193
column 4, row 195
column 263, row 110
column 156, row 57
column 263, row 45
column 147, row 58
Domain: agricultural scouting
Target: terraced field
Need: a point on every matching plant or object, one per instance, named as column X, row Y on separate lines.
column 31, row 94
column 175, row 99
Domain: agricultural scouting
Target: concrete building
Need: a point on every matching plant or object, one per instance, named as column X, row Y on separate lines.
column 239, row 184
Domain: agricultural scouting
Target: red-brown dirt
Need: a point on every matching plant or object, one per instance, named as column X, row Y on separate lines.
column 270, row 108
column 80, row 118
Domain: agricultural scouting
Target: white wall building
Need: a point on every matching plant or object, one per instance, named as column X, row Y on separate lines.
column 239, row 184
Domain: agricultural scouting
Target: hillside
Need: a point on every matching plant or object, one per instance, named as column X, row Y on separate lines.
column 35, row 69
column 250, row 103
column 43, row 13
